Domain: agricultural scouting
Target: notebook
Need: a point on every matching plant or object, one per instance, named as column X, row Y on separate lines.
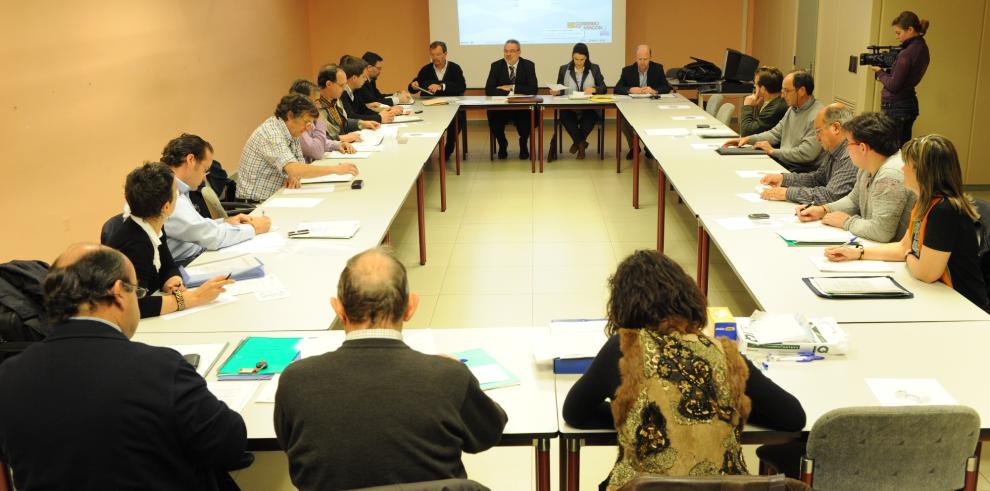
column 856, row 287
column 826, row 266
column 490, row 374
column 715, row 133
column 241, row 267
column 276, row 353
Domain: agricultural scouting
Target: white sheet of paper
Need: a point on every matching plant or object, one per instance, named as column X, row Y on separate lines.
column 705, row 146
column 821, row 233
column 235, row 394
column 640, row 96
column 909, row 392
column 489, row 373
column 765, row 327
column 336, row 154
column 751, row 197
column 267, row 394
column 402, row 119
column 674, row 106
column 221, row 264
column 754, row 174
column 361, row 147
column 471, row 102
column 371, row 137
column 270, row 288
column 309, row 190
column 688, row 118
column 222, row 299
column 267, row 242
column 420, row 340
column 667, row 132
column 826, row 266
column 746, row 223
column 208, row 354
column 244, row 287
column 339, row 229
column 422, row 134
column 310, row 347
column 557, row 87
column 327, row 179
column 845, row 284
column 292, row 202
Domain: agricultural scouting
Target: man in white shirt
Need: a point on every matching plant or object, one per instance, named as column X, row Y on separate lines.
column 188, row 232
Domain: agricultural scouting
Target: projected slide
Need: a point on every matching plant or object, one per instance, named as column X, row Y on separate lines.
column 487, row 22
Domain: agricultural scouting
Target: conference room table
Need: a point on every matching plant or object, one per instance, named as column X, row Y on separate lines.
column 496, row 103
column 563, row 102
column 531, row 405
column 952, row 353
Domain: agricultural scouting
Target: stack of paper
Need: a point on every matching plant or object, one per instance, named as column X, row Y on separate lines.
column 578, row 95
column 406, row 119
column 790, row 333
column 371, row 137
column 242, row 267
column 235, row 395
column 490, row 374
column 208, row 354
column 822, row 235
column 258, row 358
column 715, row 133
column 858, row 285
column 327, row 178
column 343, row 229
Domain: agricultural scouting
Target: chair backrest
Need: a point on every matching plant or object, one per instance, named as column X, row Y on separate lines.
column 713, row 104
column 724, row 113
column 907, row 447
column 110, row 226
column 212, row 202
column 778, row 482
column 441, row 485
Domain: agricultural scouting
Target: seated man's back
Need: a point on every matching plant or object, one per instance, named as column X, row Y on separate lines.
column 377, row 412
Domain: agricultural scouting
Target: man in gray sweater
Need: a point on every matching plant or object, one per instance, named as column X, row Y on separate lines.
column 795, row 133
column 879, row 206
column 375, row 412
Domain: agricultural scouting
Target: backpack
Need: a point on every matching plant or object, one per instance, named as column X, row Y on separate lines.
column 700, row 70
column 23, row 319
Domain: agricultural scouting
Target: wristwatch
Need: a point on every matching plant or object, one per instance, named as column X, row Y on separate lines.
column 862, row 250
column 180, row 301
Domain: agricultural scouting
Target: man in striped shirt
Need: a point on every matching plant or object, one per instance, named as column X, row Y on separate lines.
column 835, row 173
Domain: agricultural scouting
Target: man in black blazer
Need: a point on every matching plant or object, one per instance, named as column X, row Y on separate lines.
column 88, row 409
column 355, row 69
column 644, row 76
column 518, row 76
column 441, row 78
column 369, row 93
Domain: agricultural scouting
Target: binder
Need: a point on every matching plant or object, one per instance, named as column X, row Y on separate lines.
column 277, row 353
column 243, row 267
column 870, row 287
column 490, row 374
column 739, row 151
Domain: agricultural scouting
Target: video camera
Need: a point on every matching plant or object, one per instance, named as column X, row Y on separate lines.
column 881, row 56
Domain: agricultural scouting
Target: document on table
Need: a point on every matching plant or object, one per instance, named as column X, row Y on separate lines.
column 909, row 392
column 819, row 235
column 767, row 328
column 310, row 347
column 267, row 242
column 267, row 394
column 557, row 87
column 826, row 266
column 640, row 96
column 667, row 132
column 364, row 147
column 714, row 133
column 292, row 202
column 222, row 299
column 340, row 229
column 270, row 288
column 674, row 106
column 405, row 119
column 751, row 197
column 705, row 146
column 336, row 154
column 329, row 178
column 208, row 354
column 688, row 118
column 235, row 394
column 861, row 285
column 421, row 134
column 371, row 137
column 571, row 339
column 754, row 174
column 309, row 190
column 475, row 102
column 420, row 340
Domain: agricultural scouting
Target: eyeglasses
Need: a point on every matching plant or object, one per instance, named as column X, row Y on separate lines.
column 140, row 291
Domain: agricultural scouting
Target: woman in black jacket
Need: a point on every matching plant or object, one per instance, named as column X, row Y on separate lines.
column 898, row 98
column 581, row 76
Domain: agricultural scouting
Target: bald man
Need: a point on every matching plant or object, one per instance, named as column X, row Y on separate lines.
column 89, row 409
column 329, row 415
column 644, row 76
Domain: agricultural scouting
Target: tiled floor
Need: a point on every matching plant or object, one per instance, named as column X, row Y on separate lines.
column 518, row 249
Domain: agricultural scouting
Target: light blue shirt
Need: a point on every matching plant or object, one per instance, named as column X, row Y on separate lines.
column 189, row 233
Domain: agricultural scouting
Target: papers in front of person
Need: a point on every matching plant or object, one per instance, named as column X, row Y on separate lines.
column 857, row 285
column 405, row 118
column 792, row 333
column 571, row 339
column 329, row 178
column 270, row 288
column 420, row 340
column 667, row 132
column 371, row 137
column 826, row 266
column 687, row 118
column 208, row 354
column 819, row 235
column 235, row 395
column 267, row 394
column 490, row 374
column 714, row 133
column 705, row 146
column 364, row 147
column 674, row 106
column 558, row 87
column 439, row 101
column 310, row 347
column 909, row 392
column 222, row 299
column 337, row 154
column 242, row 267
column 474, row 102
column 640, row 96
column 340, row 229
column 294, row 202
column 578, row 96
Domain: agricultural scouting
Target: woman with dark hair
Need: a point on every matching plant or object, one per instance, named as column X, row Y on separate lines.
column 583, row 76
column 679, row 399
column 940, row 243
column 898, row 98
column 150, row 195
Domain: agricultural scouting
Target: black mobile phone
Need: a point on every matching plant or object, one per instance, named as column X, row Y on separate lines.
column 417, row 112
column 758, row 216
column 704, row 126
column 192, row 359
column 357, row 184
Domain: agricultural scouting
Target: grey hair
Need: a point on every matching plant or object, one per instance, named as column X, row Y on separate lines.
column 515, row 42
column 374, row 295
column 840, row 115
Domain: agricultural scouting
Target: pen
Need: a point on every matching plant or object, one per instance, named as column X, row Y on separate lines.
column 852, row 241
column 809, row 205
column 228, row 276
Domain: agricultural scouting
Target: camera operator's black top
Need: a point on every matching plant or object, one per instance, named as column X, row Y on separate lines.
column 909, row 67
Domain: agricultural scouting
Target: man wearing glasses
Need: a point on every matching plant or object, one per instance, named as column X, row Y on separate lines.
column 340, row 125
column 795, row 133
column 87, row 408
column 516, row 76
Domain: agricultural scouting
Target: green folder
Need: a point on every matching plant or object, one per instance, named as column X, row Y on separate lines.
column 277, row 353
column 490, row 374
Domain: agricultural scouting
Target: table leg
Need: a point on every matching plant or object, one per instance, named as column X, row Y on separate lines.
column 542, row 446
column 618, row 141
column 562, row 463
column 703, row 259
column 421, row 205
column 635, row 149
column 541, row 139
column 573, row 464
column 532, row 138
column 457, row 140
column 661, row 206
column 442, row 148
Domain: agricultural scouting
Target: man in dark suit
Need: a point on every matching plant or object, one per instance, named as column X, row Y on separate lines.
column 644, row 76
column 516, row 75
column 330, row 417
column 441, row 78
column 89, row 409
column 369, row 93
column 355, row 69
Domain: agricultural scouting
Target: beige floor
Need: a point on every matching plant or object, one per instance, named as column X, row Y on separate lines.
column 518, row 249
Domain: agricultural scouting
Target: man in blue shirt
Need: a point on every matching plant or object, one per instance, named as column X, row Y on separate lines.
column 188, row 232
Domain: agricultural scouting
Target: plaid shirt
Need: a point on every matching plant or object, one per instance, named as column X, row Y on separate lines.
column 265, row 154
column 833, row 179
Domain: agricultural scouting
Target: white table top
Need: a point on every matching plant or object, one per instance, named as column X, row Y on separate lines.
column 531, row 405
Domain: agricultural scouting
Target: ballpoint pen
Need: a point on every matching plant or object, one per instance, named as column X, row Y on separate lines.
column 809, row 205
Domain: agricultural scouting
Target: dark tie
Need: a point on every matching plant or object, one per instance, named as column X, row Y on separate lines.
column 512, row 74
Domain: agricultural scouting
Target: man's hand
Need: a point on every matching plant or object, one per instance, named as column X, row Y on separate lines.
column 435, row 88
column 836, row 219
column 373, row 105
column 238, row 219
column 765, row 146
column 809, row 213
column 387, row 117
column 589, row 90
column 506, row 88
column 774, row 194
column 261, row 224
column 346, row 148
column 369, row 125
column 753, row 100
column 772, row 179
column 345, row 169
column 650, row 90
column 404, row 96
column 396, row 110
column 635, row 90
column 736, row 142
column 842, row 253
column 173, row 284
column 351, row 137
column 291, row 183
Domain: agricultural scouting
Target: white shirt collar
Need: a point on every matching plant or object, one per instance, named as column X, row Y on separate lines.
column 374, row 334
column 155, row 237
column 97, row 319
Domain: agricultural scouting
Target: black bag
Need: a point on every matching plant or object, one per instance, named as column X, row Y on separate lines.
column 23, row 319
column 700, row 71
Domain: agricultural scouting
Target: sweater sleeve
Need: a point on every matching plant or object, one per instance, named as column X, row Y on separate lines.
column 587, row 405
column 773, row 407
column 483, row 418
column 828, row 183
column 887, row 200
column 807, row 150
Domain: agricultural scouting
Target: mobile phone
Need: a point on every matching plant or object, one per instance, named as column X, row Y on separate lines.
column 417, row 112
column 192, row 359
column 357, row 184
column 704, row 126
column 758, row 216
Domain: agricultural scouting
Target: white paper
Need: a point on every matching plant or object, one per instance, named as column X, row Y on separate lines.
column 705, row 146
column 768, row 328
column 235, row 394
column 310, row 347
column 422, row 134
column 244, row 287
column 267, row 394
column 826, row 266
column 361, row 147
column 639, row 96
column 216, row 265
column 327, row 179
column 577, row 338
column 292, row 202
column 222, row 299
column 270, row 288
column 405, row 119
column 371, row 137
column 847, row 285
column 674, row 106
column 909, row 392
column 337, row 154
column 420, row 340
column 267, row 242
column 751, row 197
column 472, row 102
column 208, row 354
column 487, row 374
column 340, row 229
column 578, row 96
column 715, row 132
column 820, row 233
column 746, row 223
column 309, row 190
column 753, row 174
column 688, row 118
column 667, row 132
column 557, row 87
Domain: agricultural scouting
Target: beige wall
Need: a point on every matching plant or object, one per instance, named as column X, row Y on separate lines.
column 840, row 36
column 91, row 89
column 774, row 32
column 703, row 29
column 977, row 163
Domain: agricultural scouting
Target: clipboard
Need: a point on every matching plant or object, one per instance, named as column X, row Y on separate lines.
column 899, row 290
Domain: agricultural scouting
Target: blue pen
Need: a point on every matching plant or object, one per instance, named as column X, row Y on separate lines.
column 852, row 241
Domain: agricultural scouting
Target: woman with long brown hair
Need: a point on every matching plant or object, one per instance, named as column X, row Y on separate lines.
column 898, row 98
